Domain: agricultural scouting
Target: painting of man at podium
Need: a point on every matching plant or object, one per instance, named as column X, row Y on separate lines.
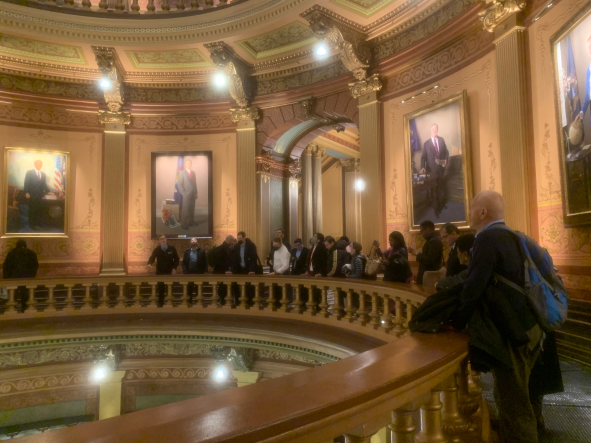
column 35, row 190
column 437, row 156
column 182, row 194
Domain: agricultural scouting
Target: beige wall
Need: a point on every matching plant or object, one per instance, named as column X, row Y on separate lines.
column 223, row 147
column 479, row 80
column 80, row 252
column 332, row 202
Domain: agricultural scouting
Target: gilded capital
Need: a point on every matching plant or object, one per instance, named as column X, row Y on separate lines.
column 242, row 114
column 317, row 151
column 499, row 10
column 106, row 59
column 371, row 84
column 236, row 69
column 122, row 118
column 350, row 164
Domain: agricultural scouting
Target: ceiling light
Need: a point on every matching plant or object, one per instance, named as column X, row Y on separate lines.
column 402, row 101
column 219, row 79
column 105, row 83
column 220, row 374
column 359, row 185
column 321, row 50
column 435, row 87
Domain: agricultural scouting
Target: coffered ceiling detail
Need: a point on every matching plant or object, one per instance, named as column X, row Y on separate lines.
column 364, row 8
column 170, row 59
column 292, row 36
column 41, row 50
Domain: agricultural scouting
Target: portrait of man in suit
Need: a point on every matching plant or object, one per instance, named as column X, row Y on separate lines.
column 35, row 189
column 434, row 162
column 187, row 185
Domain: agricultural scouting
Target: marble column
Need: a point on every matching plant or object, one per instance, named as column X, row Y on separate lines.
column 307, row 199
column 114, row 169
column 511, row 59
column 352, row 199
column 110, row 395
column 246, row 171
column 317, row 155
column 372, row 213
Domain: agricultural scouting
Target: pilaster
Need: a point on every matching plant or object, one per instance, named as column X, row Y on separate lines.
column 352, row 198
column 110, row 395
column 317, row 155
column 307, row 197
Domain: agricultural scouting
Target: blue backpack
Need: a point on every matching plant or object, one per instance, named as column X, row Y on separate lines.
column 544, row 289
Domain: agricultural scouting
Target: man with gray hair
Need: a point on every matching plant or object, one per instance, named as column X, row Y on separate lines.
column 505, row 337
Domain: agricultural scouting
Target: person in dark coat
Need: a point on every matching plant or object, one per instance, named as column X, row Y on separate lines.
column 167, row 260
column 194, row 262
column 318, row 256
column 431, row 258
column 434, row 162
column 395, row 259
column 187, row 185
column 450, row 233
column 463, row 247
column 244, row 261
column 299, row 257
column 337, row 257
column 220, row 259
column 21, row 262
column 505, row 337
column 35, row 189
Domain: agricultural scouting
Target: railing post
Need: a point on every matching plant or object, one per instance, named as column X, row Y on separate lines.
column 349, row 309
column 375, row 313
column 103, row 5
column 186, row 299
column 402, row 429
column 243, row 298
column 194, row 4
column 168, row 295
column 50, row 301
column 362, row 311
column 336, row 307
column 135, row 7
column 467, row 404
column 454, row 425
column 208, row 4
column 32, row 306
column 297, row 302
column 324, row 302
column 284, row 300
column 165, row 6
column 180, row 5
column 150, row 8
column 409, row 312
column 119, row 6
column 11, row 303
column 200, row 300
column 121, row 296
column 214, row 295
column 137, row 296
column 431, row 429
column 398, row 328
column 257, row 300
column 86, row 4
column 87, row 306
column 387, row 317
column 152, row 301
column 311, row 300
column 69, row 300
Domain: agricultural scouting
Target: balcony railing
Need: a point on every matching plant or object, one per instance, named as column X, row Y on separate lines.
column 355, row 397
column 129, row 8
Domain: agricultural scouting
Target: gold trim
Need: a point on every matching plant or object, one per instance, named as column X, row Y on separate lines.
column 360, row 10
column 81, row 60
column 244, row 44
column 66, row 202
column 462, row 98
column 131, row 54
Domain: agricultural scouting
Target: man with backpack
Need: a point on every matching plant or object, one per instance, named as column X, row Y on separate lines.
column 503, row 323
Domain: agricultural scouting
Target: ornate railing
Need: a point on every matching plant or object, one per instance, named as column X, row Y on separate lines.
column 129, row 8
column 355, row 397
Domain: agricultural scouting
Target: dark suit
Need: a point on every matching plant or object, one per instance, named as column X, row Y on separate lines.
column 220, row 258
column 428, row 162
column 166, row 261
column 198, row 267
column 187, row 185
column 299, row 265
column 251, row 259
column 318, row 259
column 21, row 263
column 453, row 265
column 431, row 259
column 36, row 188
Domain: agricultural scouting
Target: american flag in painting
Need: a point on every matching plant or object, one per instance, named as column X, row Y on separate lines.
column 58, row 178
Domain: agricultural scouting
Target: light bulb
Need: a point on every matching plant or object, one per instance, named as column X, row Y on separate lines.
column 99, row 374
column 359, row 185
column 105, row 83
column 219, row 79
column 321, row 51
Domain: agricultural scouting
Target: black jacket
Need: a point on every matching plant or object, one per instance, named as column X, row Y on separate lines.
column 319, row 257
column 250, row 257
column 299, row 265
column 453, row 265
column 396, row 267
column 337, row 258
column 20, row 263
column 166, row 261
column 200, row 267
column 431, row 259
column 220, row 258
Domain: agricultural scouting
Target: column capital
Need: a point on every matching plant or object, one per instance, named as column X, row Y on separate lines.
column 350, row 164
column 499, row 10
column 120, row 118
column 317, row 151
column 242, row 114
column 372, row 84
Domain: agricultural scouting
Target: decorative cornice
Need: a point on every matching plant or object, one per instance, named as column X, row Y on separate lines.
column 38, row 86
column 499, row 10
column 122, row 118
column 181, row 122
column 353, row 48
column 243, row 114
column 362, row 87
column 50, row 116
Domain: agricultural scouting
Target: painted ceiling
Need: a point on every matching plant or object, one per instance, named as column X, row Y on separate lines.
column 169, row 59
column 41, row 50
column 292, row 36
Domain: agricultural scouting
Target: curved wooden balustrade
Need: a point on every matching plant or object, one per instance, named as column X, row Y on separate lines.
column 129, row 8
column 354, row 397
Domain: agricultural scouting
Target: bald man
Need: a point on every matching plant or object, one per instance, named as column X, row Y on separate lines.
column 504, row 335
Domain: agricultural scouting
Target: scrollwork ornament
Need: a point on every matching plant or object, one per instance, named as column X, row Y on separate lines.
column 242, row 114
column 235, row 69
column 362, row 87
column 498, row 10
column 122, row 118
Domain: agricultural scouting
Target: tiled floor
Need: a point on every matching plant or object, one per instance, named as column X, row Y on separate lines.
column 568, row 414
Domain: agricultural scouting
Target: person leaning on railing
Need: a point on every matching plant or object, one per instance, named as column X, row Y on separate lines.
column 167, row 260
column 21, row 262
column 194, row 262
column 394, row 261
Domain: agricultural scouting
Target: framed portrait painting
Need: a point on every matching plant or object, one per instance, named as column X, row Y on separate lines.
column 37, row 191
column 571, row 55
column 439, row 182
column 182, row 194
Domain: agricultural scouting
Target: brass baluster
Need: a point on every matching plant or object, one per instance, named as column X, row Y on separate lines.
column 297, row 302
column 194, row 4
column 374, row 314
column 69, row 300
column 69, row 3
column 32, row 306
column 121, row 296
column 284, row 300
column 137, row 295
column 119, row 6
column 350, row 309
column 208, row 4
column 409, row 312
column 467, row 404
column 336, row 307
column 186, row 299
column 87, row 306
column 168, row 295
column 200, row 300
column 312, row 300
column 103, row 5
column 398, row 328
column 50, row 300
column 243, row 299
column 257, row 296
column 165, row 6
column 135, row 7
column 86, row 4
column 402, row 429
column 152, row 301
column 431, row 428
column 362, row 311
column 180, row 5
column 150, row 8
column 324, row 302
column 11, row 303
column 454, row 425
column 214, row 295
column 387, row 317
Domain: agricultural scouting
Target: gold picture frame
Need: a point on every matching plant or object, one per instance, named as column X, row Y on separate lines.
column 569, row 47
column 431, row 195
column 50, row 211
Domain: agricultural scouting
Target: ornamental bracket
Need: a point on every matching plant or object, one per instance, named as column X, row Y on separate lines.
column 236, row 69
column 242, row 114
column 499, row 10
column 308, row 105
column 106, row 59
column 366, row 86
column 340, row 34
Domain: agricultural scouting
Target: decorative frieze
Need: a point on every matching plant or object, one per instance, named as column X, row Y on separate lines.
column 242, row 114
column 499, row 10
column 122, row 118
column 366, row 86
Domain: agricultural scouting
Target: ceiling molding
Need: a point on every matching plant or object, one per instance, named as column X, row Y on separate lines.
column 289, row 37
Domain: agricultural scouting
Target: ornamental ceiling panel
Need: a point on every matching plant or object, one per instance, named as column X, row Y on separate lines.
column 169, row 59
column 364, row 8
column 286, row 38
column 41, row 50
